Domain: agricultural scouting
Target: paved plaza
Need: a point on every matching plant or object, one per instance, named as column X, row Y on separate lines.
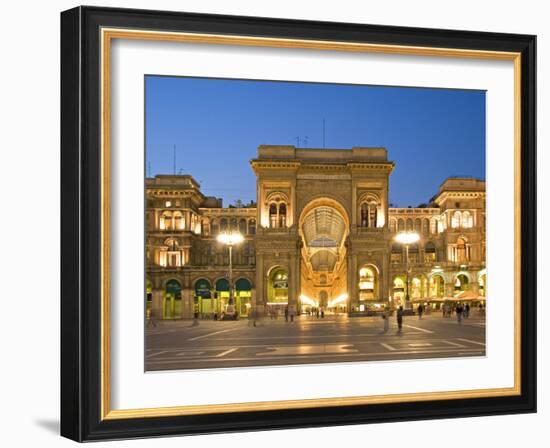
column 174, row 345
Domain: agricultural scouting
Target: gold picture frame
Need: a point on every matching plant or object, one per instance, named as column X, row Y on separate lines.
column 120, row 25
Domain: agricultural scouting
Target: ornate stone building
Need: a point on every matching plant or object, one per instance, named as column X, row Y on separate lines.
column 321, row 235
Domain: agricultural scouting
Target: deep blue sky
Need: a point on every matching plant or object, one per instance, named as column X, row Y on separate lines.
column 218, row 124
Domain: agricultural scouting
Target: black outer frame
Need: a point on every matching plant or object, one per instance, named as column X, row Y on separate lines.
column 81, row 219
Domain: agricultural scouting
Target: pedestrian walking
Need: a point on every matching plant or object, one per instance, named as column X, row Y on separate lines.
column 420, row 311
column 286, row 313
column 400, row 319
column 322, row 313
column 467, row 311
column 459, row 313
column 291, row 313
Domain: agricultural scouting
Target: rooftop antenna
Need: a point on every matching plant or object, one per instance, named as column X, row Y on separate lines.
column 324, row 133
column 174, row 160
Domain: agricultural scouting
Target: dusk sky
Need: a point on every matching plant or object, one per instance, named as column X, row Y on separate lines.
column 218, row 124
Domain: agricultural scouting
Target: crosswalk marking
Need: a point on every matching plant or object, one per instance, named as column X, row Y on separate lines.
column 471, row 342
column 388, row 346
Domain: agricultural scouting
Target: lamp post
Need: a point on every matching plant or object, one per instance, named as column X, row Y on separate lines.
column 407, row 238
column 230, row 239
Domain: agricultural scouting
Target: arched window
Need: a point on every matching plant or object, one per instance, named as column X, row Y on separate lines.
column 456, row 220
column 373, row 214
column 399, row 290
column 413, row 253
column 252, row 227
column 282, row 215
column 205, row 228
column 173, row 254
column 364, row 215
column 277, row 214
column 179, row 222
column 242, row 226
column 166, row 221
column 433, row 226
column 417, row 287
column 461, row 282
column 369, row 213
column 215, row 227
column 172, row 244
column 417, row 225
column 467, row 220
column 410, row 226
column 393, row 225
column 461, row 250
column 367, row 283
column 430, row 254
column 396, row 254
column 426, row 226
column 273, row 215
column 251, row 259
column 234, row 225
column 278, row 287
column 223, row 225
column 441, row 224
column 400, row 225
column 436, row 286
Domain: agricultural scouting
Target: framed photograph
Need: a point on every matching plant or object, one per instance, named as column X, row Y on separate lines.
column 275, row 223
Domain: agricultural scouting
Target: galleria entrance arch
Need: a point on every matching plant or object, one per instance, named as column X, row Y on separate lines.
column 323, row 228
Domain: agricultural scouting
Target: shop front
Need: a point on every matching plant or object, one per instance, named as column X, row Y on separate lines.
column 243, row 296
column 203, row 302
column 277, row 292
column 221, row 295
column 172, row 300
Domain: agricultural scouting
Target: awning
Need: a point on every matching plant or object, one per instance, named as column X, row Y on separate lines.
column 202, row 288
column 222, row 285
column 429, row 299
column 243, row 284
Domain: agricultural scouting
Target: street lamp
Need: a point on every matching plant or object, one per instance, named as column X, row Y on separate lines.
column 407, row 238
column 230, row 240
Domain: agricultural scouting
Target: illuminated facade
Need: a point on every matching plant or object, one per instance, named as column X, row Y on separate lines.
column 321, row 235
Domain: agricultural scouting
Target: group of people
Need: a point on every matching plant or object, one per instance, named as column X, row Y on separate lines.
column 317, row 312
column 461, row 311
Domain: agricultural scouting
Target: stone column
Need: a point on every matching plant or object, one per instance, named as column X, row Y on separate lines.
column 260, row 287
column 352, row 283
column 187, row 304
column 157, row 305
column 349, row 302
column 187, row 216
column 449, row 289
column 292, row 286
column 253, row 298
column 298, row 271
column 383, row 279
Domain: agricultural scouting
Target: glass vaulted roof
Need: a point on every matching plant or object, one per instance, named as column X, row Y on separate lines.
column 323, row 229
